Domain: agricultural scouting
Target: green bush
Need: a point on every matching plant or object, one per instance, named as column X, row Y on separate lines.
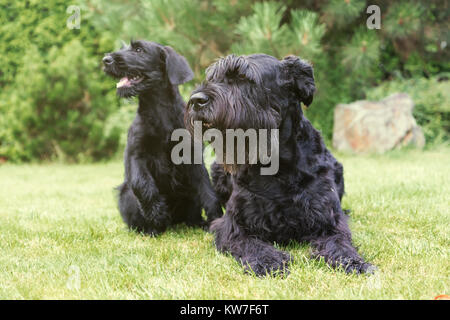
column 55, row 98
column 431, row 98
column 57, row 109
column 41, row 24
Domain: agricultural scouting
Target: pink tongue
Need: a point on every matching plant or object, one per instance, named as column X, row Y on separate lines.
column 123, row 82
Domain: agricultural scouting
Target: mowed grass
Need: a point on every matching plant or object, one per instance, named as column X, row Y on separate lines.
column 61, row 237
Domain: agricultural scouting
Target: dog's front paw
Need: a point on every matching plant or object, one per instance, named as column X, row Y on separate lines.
column 273, row 264
column 155, row 212
column 205, row 225
column 359, row 267
column 152, row 231
column 213, row 213
column 156, row 216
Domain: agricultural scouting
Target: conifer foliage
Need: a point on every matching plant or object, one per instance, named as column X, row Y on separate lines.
column 55, row 101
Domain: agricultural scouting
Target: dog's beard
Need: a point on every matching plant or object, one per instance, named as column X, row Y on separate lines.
column 126, row 92
column 205, row 118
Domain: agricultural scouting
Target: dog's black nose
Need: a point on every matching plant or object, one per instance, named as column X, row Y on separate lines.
column 107, row 60
column 199, row 100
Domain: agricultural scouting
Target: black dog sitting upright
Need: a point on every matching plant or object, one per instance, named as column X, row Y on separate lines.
column 302, row 200
column 157, row 193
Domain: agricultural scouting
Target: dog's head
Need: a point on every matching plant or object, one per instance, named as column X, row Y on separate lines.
column 144, row 66
column 250, row 92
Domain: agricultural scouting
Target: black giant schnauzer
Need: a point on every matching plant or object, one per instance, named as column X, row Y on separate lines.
column 157, row 193
column 302, row 201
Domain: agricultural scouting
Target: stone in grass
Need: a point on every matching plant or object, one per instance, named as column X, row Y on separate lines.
column 376, row 127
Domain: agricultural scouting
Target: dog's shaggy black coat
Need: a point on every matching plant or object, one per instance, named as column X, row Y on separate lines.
column 302, row 201
column 157, row 193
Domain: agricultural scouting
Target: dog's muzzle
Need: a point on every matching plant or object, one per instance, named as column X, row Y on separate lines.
column 198, row 101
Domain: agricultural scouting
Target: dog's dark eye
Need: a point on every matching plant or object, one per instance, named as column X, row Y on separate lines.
column 138, row 49
column 241, row 76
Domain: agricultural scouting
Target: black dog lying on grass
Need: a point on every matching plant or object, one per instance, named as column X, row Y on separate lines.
column 301, row 201
column 157, row 193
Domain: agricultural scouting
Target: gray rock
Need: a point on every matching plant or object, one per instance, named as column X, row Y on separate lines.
column 376, row 127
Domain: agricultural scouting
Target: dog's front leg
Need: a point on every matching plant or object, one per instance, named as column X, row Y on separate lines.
column 337, row 249
column 207, row 196
column 221, row 182
column 152, row 204
column 255, row 255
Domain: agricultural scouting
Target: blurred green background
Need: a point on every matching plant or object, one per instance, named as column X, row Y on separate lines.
column 56, row 103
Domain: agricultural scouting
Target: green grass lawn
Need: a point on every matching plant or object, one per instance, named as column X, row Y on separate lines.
column 61, row 237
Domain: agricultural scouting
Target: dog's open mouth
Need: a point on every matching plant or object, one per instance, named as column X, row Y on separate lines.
column 129, row 81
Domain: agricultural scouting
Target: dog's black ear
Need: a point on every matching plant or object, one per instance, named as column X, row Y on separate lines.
column 301, row 75
column 177, row 67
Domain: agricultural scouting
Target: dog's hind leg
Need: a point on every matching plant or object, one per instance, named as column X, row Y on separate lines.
column 131, row 212
column 255, row 255
column 129, row 208
column 152, row 205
